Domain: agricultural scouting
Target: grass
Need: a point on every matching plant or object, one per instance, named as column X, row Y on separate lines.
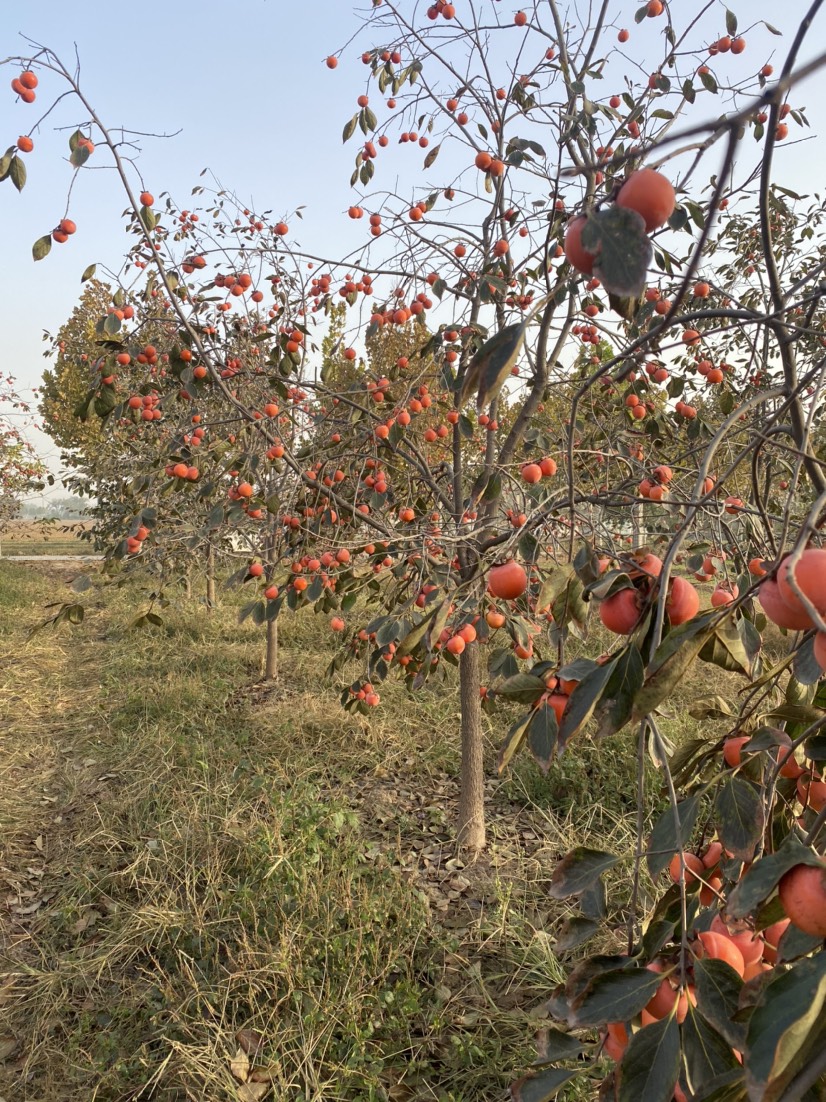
column 210, row 880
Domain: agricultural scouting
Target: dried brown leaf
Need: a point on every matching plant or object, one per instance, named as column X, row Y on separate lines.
column 239, row 1065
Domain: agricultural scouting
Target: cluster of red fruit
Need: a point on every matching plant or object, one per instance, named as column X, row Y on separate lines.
column 535, row 472
column 134, row 544
column 623, row 610
column 182, row 471
column 802, row 893
column 443, row 8
column 25, row 85
column 148, row 404
column 63, row 230
column 647, row 192
column 237, row 284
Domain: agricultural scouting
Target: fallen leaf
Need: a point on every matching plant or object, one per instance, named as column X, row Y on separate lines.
column 38, row 842
column 85, row 921
column 253, row 1092
column 28, row 910
column 239, row 1065
column 263, row 1075
column 250, row 1040
column 8, row 1047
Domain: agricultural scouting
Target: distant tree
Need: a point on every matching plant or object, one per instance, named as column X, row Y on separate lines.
column 21, row 472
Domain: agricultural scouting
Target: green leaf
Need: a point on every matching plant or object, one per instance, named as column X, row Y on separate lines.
column 578, row 871
column 350, row 128
column 493, row 489
column 148, row 217
column 711, row 707
column 739, row 814
column 491, row 365
column 807, row 670
column 718, row 993
column 786, row 1028
column 651, row 1063
column 542, row 1087
column 616, row 704
column 583, row 702
column 574, row 932
column 88, row 272
column 795, row 944
column 670, row 664
column 709, row 83
column 733, row 646
column 553, row 1044
column 622, row 248
column 105, row 401
column 416, row 634
column 79, row 155
column 554, row 583
column 523, row 688
column 706, row 1054
column 615, row 996
column 722, row 1088
column 542, row 733
column 513, row 741
column 569, row 605
column 5, row 162
column 731, row 23
column 665, row 839
column 42, row 247
column 764, row 876
column 431, row 156
column 17, row 173
column 370, row 120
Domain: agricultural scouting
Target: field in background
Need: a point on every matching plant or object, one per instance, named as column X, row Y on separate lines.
column 215, row 888
column 44, row 537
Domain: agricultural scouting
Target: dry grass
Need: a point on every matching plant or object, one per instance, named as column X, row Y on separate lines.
column 188, row 854
column 43, row 529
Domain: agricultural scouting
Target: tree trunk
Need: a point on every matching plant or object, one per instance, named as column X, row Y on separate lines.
column 471, row 830
column 271, row 660
column 210, row 578
column 636, row 527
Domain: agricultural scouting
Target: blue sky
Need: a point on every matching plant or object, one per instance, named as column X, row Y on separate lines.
column 247, row 88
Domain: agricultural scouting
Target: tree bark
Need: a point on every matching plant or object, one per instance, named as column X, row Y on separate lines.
column 471, row 828
column 271, row 659
column 210, row 578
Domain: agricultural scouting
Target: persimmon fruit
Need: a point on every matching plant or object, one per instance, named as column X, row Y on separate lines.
column 778, row 611
column 507, row 581
column 575, row 252
column 802, row 892
column 809, row 577
column 651, row 195
column 620, row 612
column 683, row 602
column 721, row 947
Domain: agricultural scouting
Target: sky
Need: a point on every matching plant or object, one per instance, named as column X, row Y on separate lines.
column 243, row 90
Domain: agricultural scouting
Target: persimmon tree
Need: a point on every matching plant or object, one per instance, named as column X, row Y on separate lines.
column 593, row 312
column 21, row 471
